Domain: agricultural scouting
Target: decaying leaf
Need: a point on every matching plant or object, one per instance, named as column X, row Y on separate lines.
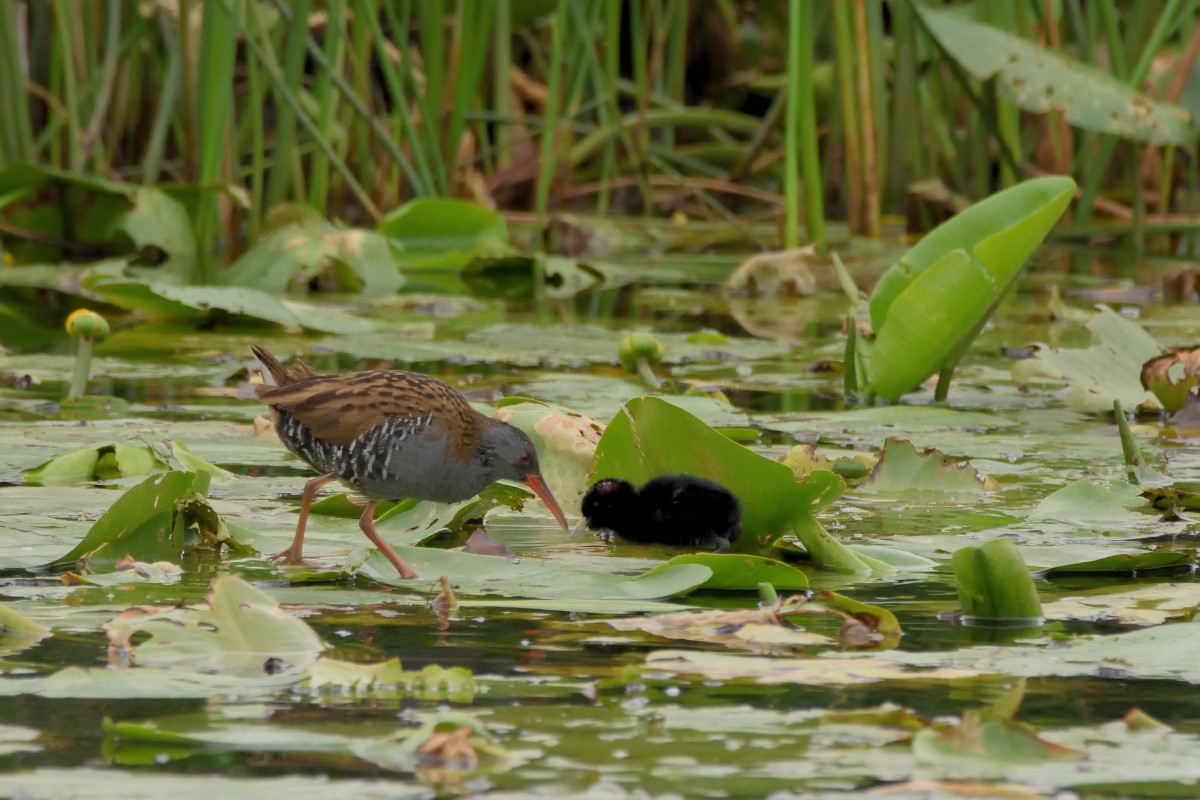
column 1174, row 377
column 775, row 670
column 853, row 467
column 758, row 628
column 768, row 274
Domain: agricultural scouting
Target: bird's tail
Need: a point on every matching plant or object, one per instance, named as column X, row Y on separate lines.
column 274, row 373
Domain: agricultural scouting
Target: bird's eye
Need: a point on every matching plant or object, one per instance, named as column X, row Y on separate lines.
column 523, row 458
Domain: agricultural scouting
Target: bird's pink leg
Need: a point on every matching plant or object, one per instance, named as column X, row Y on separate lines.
column 367, row 523
column 294, row 553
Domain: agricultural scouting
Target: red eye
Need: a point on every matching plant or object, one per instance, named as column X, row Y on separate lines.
column 523, row 458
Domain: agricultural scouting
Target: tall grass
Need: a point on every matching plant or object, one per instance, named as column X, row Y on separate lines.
column 725, row 111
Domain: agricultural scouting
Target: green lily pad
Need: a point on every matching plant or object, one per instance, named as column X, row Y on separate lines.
column 199, row 302
column 239, row 627
column 742, row 572
column 1085, row 503
column 117, row 459
column 1096, row 376
column 902, row 469
column 154, row 521
column 476, row 575
column 442, row 233
column 299, row 252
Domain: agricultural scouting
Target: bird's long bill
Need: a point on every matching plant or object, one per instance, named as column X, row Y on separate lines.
column 535, row 482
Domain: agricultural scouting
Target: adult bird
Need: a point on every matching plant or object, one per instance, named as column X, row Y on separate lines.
column 391, row 435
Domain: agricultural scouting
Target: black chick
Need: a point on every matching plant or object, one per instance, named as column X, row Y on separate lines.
column 677, row 510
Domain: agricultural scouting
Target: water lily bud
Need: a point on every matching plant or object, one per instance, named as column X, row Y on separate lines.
column 84, row 323
column 639, row 345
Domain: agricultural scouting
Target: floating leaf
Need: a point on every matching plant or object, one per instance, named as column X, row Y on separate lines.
column 810, row 671
column 1087, row 504
column 238, row 627
column 752, row 628
column 111, row 460
column 313, row 246
column 744, row 572
column 1096, row 376
column 443, row 233
column 1124, row 563
column 1136, row 605
column 477, row 575
column 901, row 468
column 984, row 737
column 198, row 302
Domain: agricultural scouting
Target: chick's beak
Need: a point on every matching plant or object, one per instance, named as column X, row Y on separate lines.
column 535, row 482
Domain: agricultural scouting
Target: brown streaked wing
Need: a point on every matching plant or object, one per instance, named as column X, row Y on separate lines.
column 340, row 408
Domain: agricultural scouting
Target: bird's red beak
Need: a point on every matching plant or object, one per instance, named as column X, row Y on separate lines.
column 535, row 482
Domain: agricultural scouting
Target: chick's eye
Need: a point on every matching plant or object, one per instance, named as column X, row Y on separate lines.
column 523, row 458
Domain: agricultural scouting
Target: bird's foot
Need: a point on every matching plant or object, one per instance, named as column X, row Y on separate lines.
column 292, row 556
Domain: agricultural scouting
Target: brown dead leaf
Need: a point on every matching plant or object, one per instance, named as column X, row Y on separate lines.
column 767, row 274
column 962, row 789
column 1182, row 283
column 481, row 544
column 452, row 746
column 757, row 628
column 1174, row 377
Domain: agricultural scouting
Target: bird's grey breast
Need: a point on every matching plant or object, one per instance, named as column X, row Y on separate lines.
column 406, row 457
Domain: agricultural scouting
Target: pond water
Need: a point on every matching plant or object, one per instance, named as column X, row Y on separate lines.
column 558, row 702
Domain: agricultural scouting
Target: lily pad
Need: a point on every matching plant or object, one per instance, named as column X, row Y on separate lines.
column 199, row 302
column 442, row 233
column 154, row 521
column 1096, row 376
column 744, row 572
column 238, row 627
column 1138, row 605
column 1085, row 503
column 810, row 671
column 902, row 469
column 300, row 251
column 477, row 575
